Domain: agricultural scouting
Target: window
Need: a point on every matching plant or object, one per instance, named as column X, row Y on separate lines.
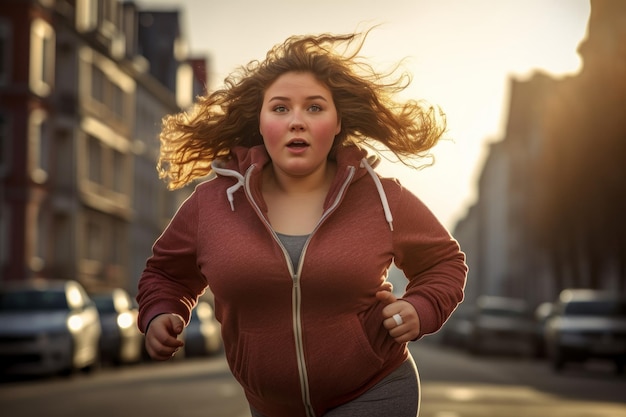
column 42, row 49
column 108, row 90
column 63, row 163
column 118, row 101
column 5, row 223
column 109, row 11
column 94, row 156
column 121, row 175
column 41, row 241
column 5, row 44
column 62, row 250
column 95, row 239
column 40, row 149
column 86, row 15
column 118, row 247
column 4, row 144
column 98, row 84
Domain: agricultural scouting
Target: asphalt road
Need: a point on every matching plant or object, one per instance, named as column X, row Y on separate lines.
column 454, row 384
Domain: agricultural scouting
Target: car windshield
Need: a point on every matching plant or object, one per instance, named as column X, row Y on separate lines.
column 502, row 312
column 33, row 300
column 104, row 304
column 614, row 308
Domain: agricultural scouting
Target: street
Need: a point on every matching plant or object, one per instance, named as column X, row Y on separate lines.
column 454, row 384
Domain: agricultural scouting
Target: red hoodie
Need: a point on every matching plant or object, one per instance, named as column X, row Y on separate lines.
column 306, row 339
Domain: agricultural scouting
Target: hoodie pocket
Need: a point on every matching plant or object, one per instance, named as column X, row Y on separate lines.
column 264, row 363
column 340, row 357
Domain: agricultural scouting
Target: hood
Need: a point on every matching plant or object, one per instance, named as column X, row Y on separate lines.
column 241, row 158
column 33, row 322
column 592, row 324
column 244, row 162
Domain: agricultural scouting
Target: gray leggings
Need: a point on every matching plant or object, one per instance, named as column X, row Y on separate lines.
column 398, row 395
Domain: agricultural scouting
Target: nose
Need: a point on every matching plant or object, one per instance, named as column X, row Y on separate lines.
column 296, row 122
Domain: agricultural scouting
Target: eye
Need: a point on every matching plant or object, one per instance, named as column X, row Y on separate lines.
column 315, row 108
column 279, row 109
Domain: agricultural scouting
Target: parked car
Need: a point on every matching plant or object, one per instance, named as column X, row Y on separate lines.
column 543, row 312
column 502, row 325
column 587, row 324
column 202, row 336
column 47, row 327
column 457, row 330
column 121, row 340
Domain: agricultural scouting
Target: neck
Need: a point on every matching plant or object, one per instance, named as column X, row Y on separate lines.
column 320, row 180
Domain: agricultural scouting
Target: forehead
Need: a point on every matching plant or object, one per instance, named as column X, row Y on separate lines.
column 292, row 84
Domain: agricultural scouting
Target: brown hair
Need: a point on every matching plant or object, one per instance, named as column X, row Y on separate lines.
column 229, row 116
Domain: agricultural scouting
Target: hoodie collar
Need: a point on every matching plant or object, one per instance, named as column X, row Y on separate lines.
column 246, row 162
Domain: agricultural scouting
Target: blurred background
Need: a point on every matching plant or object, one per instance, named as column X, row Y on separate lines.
column 530, row 177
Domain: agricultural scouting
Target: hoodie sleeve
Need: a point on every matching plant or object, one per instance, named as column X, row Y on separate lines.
column 431, row 260
column 171, row 281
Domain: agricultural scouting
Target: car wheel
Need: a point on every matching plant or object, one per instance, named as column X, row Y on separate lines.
column 69, row 368
column 558, row 361
column 95, row 364
column 475, row 345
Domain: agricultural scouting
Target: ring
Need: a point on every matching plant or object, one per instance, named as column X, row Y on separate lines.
column 398, row 319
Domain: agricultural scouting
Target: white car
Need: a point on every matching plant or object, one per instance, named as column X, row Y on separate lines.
column 203, row 335
column 587, row 324
column 121, row 341
column 47, row 327
column 502, row 325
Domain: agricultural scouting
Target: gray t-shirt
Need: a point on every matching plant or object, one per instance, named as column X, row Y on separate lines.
column 294, row 246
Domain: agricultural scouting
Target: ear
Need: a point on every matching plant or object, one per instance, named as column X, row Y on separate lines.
column 338, row 127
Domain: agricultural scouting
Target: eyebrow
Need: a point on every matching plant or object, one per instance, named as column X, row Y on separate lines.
column 309, row 98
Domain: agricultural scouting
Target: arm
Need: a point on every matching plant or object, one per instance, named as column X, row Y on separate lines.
column 432, row 261
column 172, row 282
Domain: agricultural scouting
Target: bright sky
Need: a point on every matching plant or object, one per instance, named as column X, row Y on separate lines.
column 461, row 54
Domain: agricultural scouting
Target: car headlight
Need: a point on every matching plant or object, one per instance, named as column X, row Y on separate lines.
column 75, row 323
column 125, row 320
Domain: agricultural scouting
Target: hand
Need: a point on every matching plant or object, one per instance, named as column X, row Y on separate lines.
column 410, row 327
column 162, row 336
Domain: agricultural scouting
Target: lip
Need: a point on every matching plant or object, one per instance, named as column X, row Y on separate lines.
column 297, row 149
column 294, row 140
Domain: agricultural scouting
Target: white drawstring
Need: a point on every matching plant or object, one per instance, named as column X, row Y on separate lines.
column 241, row 181
column 233, row 188
column 381, row 192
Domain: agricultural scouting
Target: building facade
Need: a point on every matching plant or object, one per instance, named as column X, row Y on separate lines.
column 81, row 100
column 549, row 207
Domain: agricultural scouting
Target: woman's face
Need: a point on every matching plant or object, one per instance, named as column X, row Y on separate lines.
column 298, row 122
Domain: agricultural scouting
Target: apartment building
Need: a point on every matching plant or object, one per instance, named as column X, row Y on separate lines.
column 83, row 89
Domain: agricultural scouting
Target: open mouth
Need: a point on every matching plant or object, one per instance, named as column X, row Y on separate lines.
column 297, row 144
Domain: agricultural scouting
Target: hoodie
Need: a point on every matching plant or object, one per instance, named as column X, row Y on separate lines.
column 303, row 339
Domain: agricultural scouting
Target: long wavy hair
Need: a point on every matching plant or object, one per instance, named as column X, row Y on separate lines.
column 365, row 101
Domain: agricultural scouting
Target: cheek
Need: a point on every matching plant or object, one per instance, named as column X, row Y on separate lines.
column 270, row 130
column 326, row 131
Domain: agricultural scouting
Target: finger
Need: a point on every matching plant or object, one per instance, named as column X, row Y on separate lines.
column 167, row 337
column 160, row 352
column 386, row 297
column 394, row 322
column 389, row 324
column 387, row 286
column 177, row 324
column 171, row 342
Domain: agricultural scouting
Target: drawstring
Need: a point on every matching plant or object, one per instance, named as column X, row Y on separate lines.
column 381, row 192
column 241, row 181
column 233, row 188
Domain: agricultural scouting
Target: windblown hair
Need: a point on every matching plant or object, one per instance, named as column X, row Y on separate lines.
column 364, row 99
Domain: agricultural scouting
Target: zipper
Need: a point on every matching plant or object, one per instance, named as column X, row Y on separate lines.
column 296, row 292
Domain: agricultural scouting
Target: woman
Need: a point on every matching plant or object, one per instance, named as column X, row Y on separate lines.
column 295, row 232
